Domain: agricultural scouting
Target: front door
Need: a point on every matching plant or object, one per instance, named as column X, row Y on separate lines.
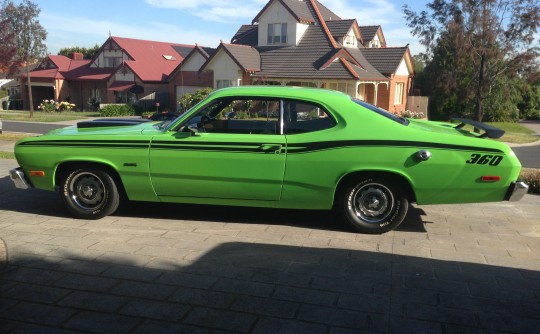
column 233, row 151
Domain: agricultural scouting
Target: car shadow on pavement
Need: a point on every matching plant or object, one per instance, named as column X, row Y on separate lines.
column 48, row 203
column 262, row 288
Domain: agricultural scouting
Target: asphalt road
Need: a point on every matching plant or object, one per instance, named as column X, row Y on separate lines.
column 528, row 155
column 29, row 127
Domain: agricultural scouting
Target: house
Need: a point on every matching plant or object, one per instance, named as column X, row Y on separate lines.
column 303, row 43
column 124, row 70
column 187, row 78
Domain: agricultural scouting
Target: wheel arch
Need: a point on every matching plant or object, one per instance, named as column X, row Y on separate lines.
column 66, row 166
column 399, row 179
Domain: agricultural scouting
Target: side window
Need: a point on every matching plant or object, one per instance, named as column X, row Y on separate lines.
column 301, row 117
column 239, row 116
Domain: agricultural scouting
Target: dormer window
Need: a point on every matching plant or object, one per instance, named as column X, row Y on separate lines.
column 375, row 44
column 277, row 33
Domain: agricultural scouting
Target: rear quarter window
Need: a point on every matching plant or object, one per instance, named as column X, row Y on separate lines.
column 382, row 112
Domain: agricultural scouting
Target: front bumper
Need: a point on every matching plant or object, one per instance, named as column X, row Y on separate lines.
column 516, row 191
column 19, row 179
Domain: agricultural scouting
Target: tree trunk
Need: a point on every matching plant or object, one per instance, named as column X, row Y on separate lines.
column 480, row 90
column 30, row 98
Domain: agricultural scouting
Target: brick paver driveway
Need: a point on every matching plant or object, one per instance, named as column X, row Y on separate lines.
column 195, row 269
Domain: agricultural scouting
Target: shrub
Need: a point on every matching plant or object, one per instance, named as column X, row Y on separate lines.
column 52, row 106
column 48, row 106
column 531, row 176
column 94, row 103
column 115, row 110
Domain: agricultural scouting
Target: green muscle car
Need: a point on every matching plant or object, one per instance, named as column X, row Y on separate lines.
column 278, row 147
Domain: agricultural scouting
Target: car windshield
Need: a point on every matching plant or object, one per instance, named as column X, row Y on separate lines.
column 382, row 112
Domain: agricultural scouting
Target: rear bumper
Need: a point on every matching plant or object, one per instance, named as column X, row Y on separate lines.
column 19, row 179
column 516, row 191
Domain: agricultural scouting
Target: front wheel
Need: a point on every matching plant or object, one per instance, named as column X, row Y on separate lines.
column 89, row 193
column 373, row 205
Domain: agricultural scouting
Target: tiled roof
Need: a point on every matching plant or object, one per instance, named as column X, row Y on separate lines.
column 81, row 71
column 340, row 28
column 248, row 34
column 183, row 50
column 300, row 10
column 246, row 56
column 386, row 60
column 317, row 55
column 369, row 71
column 306, row 60
column 61, row 62
column 148, row 61
column 368, row 32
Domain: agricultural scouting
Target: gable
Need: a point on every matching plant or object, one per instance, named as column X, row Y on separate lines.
column 110, row 55
column 402, row 68
column 276, row 13
column 193, row 63
column 222, row 62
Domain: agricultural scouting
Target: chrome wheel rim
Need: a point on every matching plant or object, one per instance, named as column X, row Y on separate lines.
column 372, row 203
column 87, row 191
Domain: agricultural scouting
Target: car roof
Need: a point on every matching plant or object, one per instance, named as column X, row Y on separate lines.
column 317, row 94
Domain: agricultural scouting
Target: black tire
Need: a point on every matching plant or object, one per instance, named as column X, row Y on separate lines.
column 89, row 193
column 373, row 205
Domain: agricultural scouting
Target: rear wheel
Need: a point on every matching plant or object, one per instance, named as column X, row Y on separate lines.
column 89, row 193
column 373, row 205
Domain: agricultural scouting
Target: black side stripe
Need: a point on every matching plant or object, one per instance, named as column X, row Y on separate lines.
column 319, row 146
column 255, row 147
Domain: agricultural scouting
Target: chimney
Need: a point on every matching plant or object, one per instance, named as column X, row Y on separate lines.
column 76, row 56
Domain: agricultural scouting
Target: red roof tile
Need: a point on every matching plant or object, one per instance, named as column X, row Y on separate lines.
column 148, row 61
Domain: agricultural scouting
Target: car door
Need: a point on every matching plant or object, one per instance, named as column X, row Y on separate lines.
column 233, row 150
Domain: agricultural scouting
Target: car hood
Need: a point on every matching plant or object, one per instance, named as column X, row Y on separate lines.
column 106, row 130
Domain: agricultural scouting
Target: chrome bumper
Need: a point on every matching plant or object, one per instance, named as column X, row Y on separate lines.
column 516, row 191
column 18, row 178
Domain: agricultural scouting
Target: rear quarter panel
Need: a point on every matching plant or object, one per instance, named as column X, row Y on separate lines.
column 367, row 142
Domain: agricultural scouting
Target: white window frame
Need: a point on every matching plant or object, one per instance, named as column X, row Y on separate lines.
column 222, row 83
column 398, row 97
column 274, row 36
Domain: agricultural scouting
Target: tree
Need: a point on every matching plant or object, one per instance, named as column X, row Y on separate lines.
column 88, row 53
column 28, row 36
column 473, row 45
column 9, row 47
column 188, row 100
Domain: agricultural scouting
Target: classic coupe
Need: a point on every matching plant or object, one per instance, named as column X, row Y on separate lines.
column 277, row 147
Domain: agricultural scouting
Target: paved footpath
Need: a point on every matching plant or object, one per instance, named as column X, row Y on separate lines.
column 197, row 269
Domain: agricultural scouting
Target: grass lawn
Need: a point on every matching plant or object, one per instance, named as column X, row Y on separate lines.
column 7, row 155
column 515, row 133
column 22, row 115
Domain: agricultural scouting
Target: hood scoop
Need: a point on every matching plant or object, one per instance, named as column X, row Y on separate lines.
column 108, row 122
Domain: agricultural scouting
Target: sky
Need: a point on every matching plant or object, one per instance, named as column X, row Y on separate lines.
column 206, row 22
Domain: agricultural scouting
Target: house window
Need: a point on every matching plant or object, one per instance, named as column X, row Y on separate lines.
column 277, row 33
column 398, row 98
column 112, row 61
column 224, row 83
column 349, row 40
column 374, row 44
